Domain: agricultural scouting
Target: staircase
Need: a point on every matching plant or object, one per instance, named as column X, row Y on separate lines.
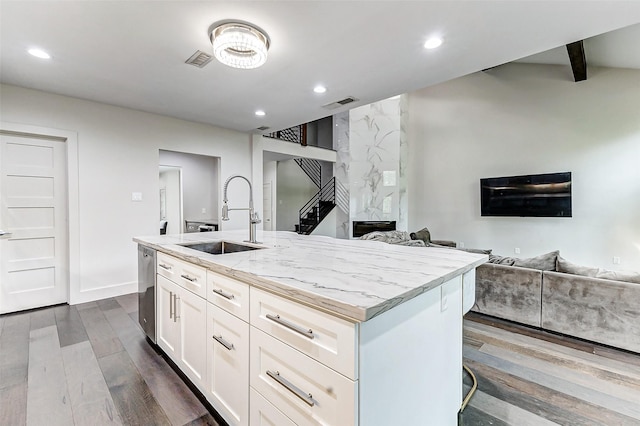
column 317, row 208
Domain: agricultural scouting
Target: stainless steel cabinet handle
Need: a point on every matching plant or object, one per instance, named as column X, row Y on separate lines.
column 188, row 278
column 175, row 307
column 306, row 397
column 223, row 294
column 170, row 304
column 219, row 339
column 163, row 266
column 306, row 333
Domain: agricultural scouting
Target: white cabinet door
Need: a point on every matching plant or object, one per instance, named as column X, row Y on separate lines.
column 191, row 314
column 167, row 330
column 228, row 365
column 263, row 413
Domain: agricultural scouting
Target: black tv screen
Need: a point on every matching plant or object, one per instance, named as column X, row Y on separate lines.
column 543, row 195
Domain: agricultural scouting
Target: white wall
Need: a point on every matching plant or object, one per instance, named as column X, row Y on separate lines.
column 117, row 155
column 200, row 184
column 523, row 119
column 294, row 189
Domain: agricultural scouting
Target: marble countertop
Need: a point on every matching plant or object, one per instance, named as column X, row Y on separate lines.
column 356, row 279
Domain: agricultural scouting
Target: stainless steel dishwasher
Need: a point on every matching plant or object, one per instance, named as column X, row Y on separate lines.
column 147, row 291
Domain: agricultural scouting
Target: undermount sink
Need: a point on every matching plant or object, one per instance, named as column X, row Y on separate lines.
column 219, row 247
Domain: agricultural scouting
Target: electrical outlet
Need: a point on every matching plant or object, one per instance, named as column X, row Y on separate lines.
column 616, row 260
column 516, row 250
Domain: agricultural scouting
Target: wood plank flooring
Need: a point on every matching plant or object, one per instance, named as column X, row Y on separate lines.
column 90, row 364
column 531, row 377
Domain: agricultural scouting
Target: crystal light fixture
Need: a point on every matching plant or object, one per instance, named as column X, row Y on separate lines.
column 239, row 45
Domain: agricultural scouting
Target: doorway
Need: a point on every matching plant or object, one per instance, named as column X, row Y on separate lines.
column 34, row 259
column 170, row 178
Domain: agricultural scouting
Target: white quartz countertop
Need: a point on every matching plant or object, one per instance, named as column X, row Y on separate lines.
column 356, row 279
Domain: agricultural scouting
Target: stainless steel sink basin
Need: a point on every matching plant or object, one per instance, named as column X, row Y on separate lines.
column 220, row 247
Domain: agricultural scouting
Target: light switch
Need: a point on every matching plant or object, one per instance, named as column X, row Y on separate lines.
column 616, row 260
column 136, row 196
column 516, row 250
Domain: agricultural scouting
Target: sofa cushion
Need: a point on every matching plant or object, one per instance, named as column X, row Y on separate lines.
column 626, row 276
column 563, row 265
column 544, row 262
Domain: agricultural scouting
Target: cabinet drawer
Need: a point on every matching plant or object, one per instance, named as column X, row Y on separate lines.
column 185, row 274
column 263, row 413
column 323, row 337
column 229, row 294
column 227, row 365
column 303, row 389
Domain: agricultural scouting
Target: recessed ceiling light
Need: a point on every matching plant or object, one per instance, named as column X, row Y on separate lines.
column 319, row 89
column 260, row 113
column 39, row 53
column 432, row 43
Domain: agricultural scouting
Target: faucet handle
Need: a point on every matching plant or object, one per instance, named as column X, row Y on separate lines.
column 255, row 218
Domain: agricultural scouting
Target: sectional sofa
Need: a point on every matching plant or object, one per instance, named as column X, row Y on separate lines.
column 553, row 294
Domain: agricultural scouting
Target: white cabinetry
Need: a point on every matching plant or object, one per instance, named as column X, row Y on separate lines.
column 181, row 319
column 262, row 359
column 227, row 383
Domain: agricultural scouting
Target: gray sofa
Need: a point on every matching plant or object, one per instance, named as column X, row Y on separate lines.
column 576, row 301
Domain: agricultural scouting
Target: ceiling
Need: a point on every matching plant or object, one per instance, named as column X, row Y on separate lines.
column 132, row 53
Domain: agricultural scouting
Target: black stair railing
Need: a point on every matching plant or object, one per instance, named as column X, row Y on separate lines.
column 312, row 168
column 295, row 134
column 317, row 208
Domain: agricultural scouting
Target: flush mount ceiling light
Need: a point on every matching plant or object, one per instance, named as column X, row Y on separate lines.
column 239, row 45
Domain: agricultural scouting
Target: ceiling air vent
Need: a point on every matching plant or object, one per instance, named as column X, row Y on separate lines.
column 341, row 102
column 263, row 128
column 199, row 59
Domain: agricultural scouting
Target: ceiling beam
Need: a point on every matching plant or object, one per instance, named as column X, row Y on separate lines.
column 578, row 60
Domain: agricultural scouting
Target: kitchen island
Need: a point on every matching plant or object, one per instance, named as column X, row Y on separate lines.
column 316, row 330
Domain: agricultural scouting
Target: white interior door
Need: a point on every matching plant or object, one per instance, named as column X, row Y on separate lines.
column 34, row 262
column 267, row 207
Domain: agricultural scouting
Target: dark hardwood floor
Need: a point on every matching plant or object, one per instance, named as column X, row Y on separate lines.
column 90, row 364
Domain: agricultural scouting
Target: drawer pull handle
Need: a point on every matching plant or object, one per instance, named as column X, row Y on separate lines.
column 170, row 304
column 306, row 333
column 220, row 292
column 163, row 266
column 306, row 397
column 219, row 339
column 188, row 278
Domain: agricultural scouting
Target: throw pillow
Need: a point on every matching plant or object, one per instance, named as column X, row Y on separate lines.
column 571, row 268
column 422, row 234
column 501, row 260
column 626, row 276
column 474, row 250
column 544, row 262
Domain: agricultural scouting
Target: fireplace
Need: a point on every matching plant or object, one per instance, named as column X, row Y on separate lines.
column 365, row 226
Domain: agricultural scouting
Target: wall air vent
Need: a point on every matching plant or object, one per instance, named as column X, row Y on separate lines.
column 263, row 128
column 341, row 102
column 199, row 59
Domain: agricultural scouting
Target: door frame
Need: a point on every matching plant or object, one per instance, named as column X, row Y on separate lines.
column 70, row 139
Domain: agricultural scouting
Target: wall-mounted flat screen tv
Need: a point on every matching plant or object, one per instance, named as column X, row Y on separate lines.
column 543, row 195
